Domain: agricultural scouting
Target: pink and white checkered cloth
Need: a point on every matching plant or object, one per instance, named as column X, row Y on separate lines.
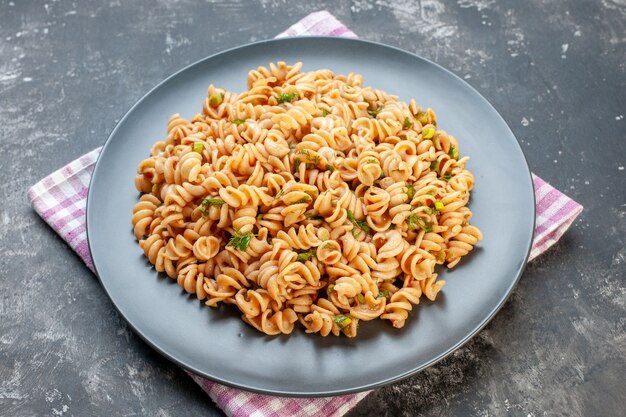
column 60, row 199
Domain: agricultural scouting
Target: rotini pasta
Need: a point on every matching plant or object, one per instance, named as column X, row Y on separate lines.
column 306, row 199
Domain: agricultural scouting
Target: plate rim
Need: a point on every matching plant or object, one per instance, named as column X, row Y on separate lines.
column 336, row 392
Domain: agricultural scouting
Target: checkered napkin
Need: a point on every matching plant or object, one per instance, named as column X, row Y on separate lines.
column 60, row 199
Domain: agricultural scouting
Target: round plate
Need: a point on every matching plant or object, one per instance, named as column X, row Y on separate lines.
column 215, row 343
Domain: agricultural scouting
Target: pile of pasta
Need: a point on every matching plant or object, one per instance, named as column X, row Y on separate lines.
column 306, row 198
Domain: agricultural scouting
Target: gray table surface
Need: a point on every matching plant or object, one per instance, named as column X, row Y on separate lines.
column 556, row 72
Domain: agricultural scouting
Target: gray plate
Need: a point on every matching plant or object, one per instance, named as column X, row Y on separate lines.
column 216, row 343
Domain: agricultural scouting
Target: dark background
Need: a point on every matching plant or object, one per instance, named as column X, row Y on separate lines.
column 555, row 70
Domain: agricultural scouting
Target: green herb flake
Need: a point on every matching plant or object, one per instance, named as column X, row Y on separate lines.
column 287, row 97
column 216, row 99
column 434, row 166
column 313, row 160
column 392, row 226
column 305, row 256
column 331, row 288
column 413, row 221
column 410, row 191
column 314, row 216
column 446, row 177
column 425, row 226
column 329, row 167
column 358, row 223
column 383, row 294
column 259, row 216
column 360, row 298
column 210, row 202
column 213, row 202
column 374, row 112
column 239, row 121
column 342, row 321
column 408, row 123
column 428, row 133
column 198, row 147
column 454, row 152
column 280, row 194
column 325, row 113
column 240, row 240
column 439, row 206
column 372, row 161
column 422, row 117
